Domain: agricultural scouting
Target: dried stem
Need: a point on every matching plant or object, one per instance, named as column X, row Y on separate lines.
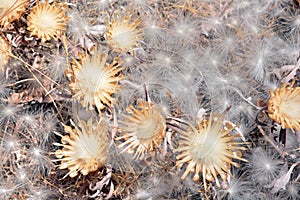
column 277, row 147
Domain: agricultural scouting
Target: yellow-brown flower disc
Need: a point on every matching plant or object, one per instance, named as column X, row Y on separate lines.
column 85, row 149
column 94, row 81
column 284, row 106
column 47, row 21
column 122, row 33
column 11, row 10
column 5, row 48
column 143, row 129
column 209, row 149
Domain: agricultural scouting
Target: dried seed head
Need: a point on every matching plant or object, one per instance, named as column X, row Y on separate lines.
column 47, row 21
column 122, row 33
column 144, row 129
column 5, row 48
column 11, row 10
column 85, row 149
column 284, row 106
column 208, row 148
column 94, row 81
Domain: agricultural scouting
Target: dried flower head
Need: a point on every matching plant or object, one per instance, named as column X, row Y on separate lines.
column 209, row 148
column 284, row 106
column 143, row 129
column 47, row 21
column 85, row 149
column 11, row 10
column 122, row 33
column 5, row 48
column 94, row 81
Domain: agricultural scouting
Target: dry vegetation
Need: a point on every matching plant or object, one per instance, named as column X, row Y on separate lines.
column 149, row 99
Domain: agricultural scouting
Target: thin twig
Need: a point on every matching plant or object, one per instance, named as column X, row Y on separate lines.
column 245, row 99
column 28, row 67
column 272, row 142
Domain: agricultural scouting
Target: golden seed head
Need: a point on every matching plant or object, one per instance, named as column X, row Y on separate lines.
column 94, row 81
column 122, row 33
column 284, row 106
column 208, row 149
column 84, row 150
column 47, row 21
column 143, row 130
column 11, row 10
column 5, row 48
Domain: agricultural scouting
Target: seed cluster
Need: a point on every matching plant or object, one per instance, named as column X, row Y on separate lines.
column 149, row 99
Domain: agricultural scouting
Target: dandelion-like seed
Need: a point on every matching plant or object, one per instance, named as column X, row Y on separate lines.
column 8, row 113
column 284, row 106
column 5, row 48
column 122, row 33
column 47, row 21
column 11, row 10
column 144, row 129
column 85, row 149
column 209, row 148
column 264, row 166
column 94, row 80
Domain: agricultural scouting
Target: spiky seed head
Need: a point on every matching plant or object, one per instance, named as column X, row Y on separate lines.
column 11, row 10
column 94, row 81
column 122, row 33
column 5, row 48
column 143, row 129
column 208, row 148
column 47, row 21
column 85, row 149
column 284, row 106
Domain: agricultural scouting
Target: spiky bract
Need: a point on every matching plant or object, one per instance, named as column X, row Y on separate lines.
column 47, row 21
column 208, row 148
column 143, row 129
column 85, row 149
